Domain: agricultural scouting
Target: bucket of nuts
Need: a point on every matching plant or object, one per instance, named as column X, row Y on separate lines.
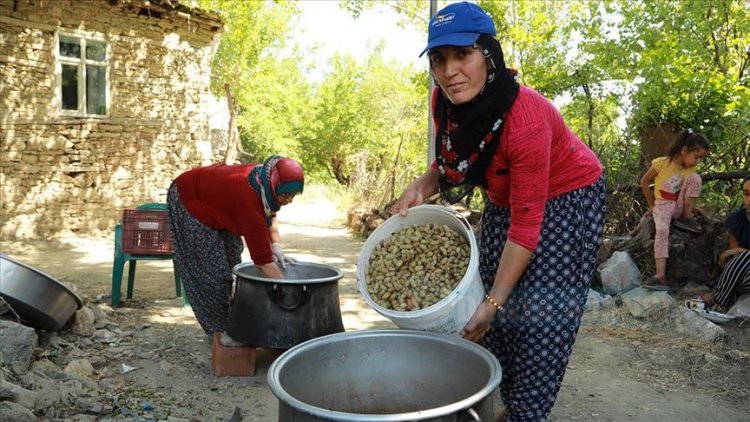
column 422, row 271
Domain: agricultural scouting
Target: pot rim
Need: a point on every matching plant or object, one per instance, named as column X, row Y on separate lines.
column 338, row 274
column 55, row 281
column 274, row 373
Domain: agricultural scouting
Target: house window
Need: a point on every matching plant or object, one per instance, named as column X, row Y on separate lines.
column 82, row 66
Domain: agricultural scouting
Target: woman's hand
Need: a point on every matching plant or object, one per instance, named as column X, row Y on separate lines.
column 422, row 187
column 724, row 257
column 281, row 259
column 271, row 270
column 513, row 262
column 409, row 198
column 479, row 324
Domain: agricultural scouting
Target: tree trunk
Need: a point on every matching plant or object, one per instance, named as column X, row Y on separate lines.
column 392, row 179
column 655, row 142
column 232, row 134
column 338, row 170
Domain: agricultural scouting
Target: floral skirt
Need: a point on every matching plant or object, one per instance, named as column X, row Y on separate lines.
column 205, row 259
column 534, row 335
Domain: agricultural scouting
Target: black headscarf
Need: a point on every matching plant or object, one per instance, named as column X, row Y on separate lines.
column 469, row 134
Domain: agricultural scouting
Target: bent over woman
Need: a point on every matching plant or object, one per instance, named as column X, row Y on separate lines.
column 210, row 210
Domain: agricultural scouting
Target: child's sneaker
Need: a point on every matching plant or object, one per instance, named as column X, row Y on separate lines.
column 700, row 305
column 696, row 304
column 653, row 283
column 688, row 225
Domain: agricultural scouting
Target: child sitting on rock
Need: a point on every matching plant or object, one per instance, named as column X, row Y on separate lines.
column 676, row 189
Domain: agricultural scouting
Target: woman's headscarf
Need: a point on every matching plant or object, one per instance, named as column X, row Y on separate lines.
column 277, row 176
column 469, row 134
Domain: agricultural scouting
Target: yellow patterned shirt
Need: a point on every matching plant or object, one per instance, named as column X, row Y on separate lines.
column 669, row 178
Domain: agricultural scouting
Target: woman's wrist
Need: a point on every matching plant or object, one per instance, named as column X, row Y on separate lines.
column 495, row 303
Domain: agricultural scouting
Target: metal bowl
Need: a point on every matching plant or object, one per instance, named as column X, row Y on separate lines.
column 39, row 299
column 385, row 376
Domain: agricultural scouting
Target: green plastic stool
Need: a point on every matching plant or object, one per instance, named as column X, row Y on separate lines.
column 121, row 258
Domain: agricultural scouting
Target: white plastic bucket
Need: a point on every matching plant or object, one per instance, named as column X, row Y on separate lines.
column 452, row 313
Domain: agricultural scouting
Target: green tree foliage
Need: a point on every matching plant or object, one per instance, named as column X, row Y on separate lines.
column 276, row 108
column 683, row 64
column 534, row 36
column 686, row 65
column 616, row 68
column 252, row 28
column 414, row 12
column 362, row 127
column 369, row 124
column 271, row 92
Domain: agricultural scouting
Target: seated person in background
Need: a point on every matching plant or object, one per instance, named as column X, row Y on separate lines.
column 735, row 277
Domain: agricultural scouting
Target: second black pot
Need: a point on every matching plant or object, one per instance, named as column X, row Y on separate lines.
column 280, row 314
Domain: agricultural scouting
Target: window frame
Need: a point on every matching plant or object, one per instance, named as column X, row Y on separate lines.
column 82, row 37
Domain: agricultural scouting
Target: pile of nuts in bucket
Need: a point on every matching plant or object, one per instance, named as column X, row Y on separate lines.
column 417, row 267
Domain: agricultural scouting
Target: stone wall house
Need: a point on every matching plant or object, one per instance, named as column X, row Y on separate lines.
column 103, row 103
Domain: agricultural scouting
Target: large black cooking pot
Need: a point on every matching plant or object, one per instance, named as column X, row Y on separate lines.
column 280, row 314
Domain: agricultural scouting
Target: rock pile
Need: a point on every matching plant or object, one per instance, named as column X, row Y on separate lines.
column 51, row 375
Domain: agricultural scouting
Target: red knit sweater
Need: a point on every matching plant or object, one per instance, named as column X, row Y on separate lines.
column 539, row 158
column 220, row 197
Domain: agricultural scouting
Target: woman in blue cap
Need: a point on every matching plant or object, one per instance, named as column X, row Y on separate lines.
column 542, row 225
column 210, row 210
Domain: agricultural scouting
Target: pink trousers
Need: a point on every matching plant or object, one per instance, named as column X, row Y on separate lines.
column 665, row 210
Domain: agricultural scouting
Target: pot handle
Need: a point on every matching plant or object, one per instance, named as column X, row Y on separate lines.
column 277, row 296
column 473, row 415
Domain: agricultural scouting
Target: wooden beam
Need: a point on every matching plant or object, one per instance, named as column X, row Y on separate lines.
column 181, row 12
column 28, row 24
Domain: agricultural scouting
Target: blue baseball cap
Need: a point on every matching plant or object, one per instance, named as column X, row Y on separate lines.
column 458, row 24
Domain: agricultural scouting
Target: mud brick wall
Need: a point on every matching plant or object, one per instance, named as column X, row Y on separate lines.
column 64, row 173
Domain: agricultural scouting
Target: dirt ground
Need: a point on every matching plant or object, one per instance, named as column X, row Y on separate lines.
column 621, row 369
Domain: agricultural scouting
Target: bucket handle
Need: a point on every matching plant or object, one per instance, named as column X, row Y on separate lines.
column 462, row 219
column 473, row 415
column 277, row 296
